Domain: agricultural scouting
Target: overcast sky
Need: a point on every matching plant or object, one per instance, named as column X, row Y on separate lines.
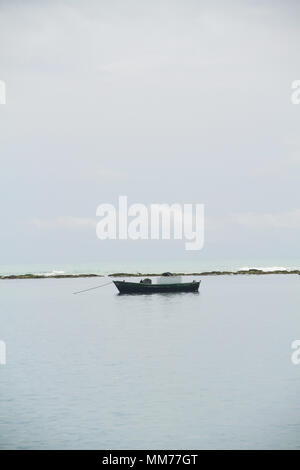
column 163, row 101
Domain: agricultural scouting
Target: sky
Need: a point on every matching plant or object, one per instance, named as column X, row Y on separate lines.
column 164, row 102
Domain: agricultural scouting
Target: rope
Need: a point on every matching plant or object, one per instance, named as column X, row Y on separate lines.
column 91, row 288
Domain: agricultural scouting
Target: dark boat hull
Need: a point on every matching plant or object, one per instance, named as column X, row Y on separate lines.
column 140, row 288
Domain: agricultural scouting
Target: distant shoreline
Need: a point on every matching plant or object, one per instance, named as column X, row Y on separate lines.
column 257, row 272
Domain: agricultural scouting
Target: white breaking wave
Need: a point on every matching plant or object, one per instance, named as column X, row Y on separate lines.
column 268, row 268
column 53, row 273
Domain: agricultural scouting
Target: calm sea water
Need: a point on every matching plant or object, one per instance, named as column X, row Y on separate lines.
column 103, row 371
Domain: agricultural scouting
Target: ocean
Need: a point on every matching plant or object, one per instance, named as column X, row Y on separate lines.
column 99, row 370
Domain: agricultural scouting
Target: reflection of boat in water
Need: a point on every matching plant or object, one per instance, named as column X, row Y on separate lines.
column 166, row 283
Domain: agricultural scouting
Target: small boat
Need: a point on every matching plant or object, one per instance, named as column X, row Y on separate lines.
column 164, row 285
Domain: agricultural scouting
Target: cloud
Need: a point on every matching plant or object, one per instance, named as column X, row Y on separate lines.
column 282, row 220
column 267, row 220
column 63, row 222
column 111, row 175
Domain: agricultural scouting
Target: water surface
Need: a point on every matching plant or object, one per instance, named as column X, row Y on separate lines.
column 104, row 371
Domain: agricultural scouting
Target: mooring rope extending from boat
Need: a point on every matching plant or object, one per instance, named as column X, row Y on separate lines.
column 91, row 288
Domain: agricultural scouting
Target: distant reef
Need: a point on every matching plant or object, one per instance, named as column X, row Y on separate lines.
column 257, row 272
column 44, row 276
column 213, row 273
